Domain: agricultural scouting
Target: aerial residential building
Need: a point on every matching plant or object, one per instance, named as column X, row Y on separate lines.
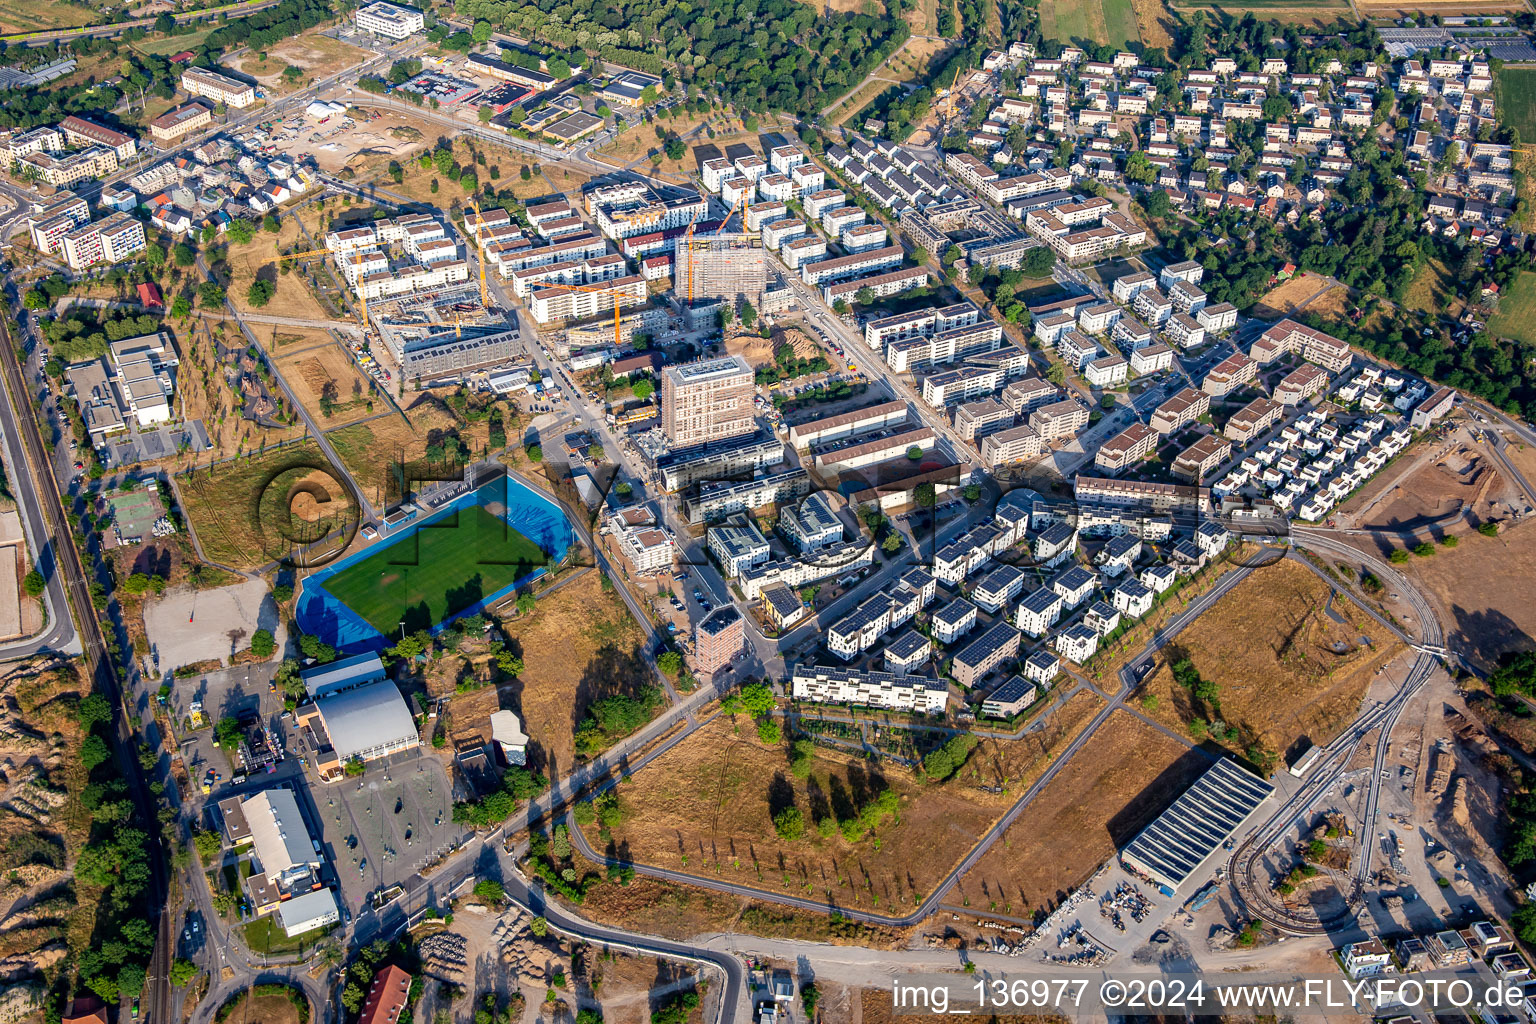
column 1024, row 396
column 859, row 629
column 975, row 420
column 83, row 132
column 1180, row 410
column 1229, row 375
column 955, row 386
column 1217, row 319
column 1252, row 420
column 953, row 621
column 1042, row 667
column 64, row 169
column 1306, row 381
column 1151, row 359
column 1009, row 698
column 182, row 121
column 1126, row 288
column 61, row 216
column 219, row 88
column 718, row 639
column 111, row 240
column 1188, row 271
column 829, row 684
column 1194, row 463
column 1107, row 371
column 648, row 548
column 1016, row 444
column 993, row 647
column 1102, row 618
column 1038, row 612
column 708, row 400
column 1126, row 448
column 392, row 21
column 1314, row 346
column 389, row 994
column 1132, row 598
column 813, row 524
column 1077, row 643
column 907, row 652
column 1058, row 420
column 997, row 588
column 1142, row 495
column 1074, row 585
column 737, row 546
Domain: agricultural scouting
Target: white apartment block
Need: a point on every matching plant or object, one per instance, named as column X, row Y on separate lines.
column 1106, row 371
column 1151, row 359
column 1038, row 612
column 49, row 226
column 550, row 305
column 111, row 240
column 828, row 684
column 1078, row 643
column 219, row 88
column 1218, row 319
column 389, row 20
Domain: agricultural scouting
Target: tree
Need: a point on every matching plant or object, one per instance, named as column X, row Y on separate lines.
column 1039, row 261
column 182, row 255
column 675, row 149
column 595, row 452
column 490, row 891
column 181, row 307
column 210, row 295
column 864, row 296
column 356, row 767
column 263, row 644
column 260, row 292
column 93, row 752
column 240, row 231
column 94, row 710
column 924, row 495
column 535, row 453
column 670, row 662
column 485, row 114
column 748, row 314
column 539, row 927
column 32, row 583
column 526, row 603
column 789, row 824
column 559, row 67
column 182, row 972
column 643, row 389
column 914, row 453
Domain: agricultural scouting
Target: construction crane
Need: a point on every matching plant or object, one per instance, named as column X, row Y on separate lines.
column 741, row 205
column 362, row 294
column 485, row 302
column 602, row 287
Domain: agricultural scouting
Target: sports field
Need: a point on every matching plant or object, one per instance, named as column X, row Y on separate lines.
column 439, row 570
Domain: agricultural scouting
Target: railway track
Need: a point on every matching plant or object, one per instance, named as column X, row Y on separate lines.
column 100, row 667
column 1250, row 878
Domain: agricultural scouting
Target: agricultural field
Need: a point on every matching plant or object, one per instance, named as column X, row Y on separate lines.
column 1514, row 93
column 579, row 644
column 1155, row 23
column 708, row 806
column 33, row 15
column 251, row 510
column 314, row 53
column 1286, row 659
column 1111, row 22
column 1516, row 317
column 438, row 571
column 1125, row 775
column 324, row 378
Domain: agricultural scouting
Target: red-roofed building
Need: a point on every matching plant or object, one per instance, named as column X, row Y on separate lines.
column 386, row 996
column 184, row 57
column 85, row 1009
column 149, row 296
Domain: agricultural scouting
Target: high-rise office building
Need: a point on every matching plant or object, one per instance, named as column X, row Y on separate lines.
column 708, row 400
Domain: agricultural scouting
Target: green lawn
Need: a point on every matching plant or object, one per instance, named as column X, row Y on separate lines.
column 1517, row 310
column 1120, row 23
column 1514, row 92
column 439, row 570
column 167, row 45
column 264, row 935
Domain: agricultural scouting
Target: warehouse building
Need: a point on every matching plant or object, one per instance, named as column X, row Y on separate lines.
column 1188, row 833
column 355, row 714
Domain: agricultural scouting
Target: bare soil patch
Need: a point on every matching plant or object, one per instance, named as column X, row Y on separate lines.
column 1437, row 487
column 1123, row 778
column 267, row 1009
column 318, row 55
column 324, row 378
column 1284, row 667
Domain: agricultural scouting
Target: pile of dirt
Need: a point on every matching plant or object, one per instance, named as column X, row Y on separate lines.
column 443, row 957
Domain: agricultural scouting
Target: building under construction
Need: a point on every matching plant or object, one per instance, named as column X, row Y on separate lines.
column 439, row 334
column 728, row 266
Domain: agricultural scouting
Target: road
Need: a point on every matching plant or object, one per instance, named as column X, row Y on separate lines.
column 48, row 507
column 45, row 36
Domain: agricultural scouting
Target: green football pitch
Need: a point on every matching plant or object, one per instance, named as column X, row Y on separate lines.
column 437, row 571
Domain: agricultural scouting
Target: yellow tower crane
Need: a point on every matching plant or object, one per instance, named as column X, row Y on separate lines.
column 362, row 293
column 740, row 205
column 602, row 287
column 485, row 302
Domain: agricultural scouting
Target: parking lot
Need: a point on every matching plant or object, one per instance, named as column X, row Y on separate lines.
column 381, row 829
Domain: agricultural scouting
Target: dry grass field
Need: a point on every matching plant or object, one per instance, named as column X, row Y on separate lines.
column 1155, row 22
column 1434, row 290
column 707, row 807
column 369, row 449
column 1285, row 668
column 241, row 510
column 266, row 1009
column 318, row 55
column 642, row 146
column 1123, row 778
column 205, row 391
column 258, row 258
column 322, row 375
column 35, row 15
column 1481, row 589
column 1300, row 292
column 580, row 644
